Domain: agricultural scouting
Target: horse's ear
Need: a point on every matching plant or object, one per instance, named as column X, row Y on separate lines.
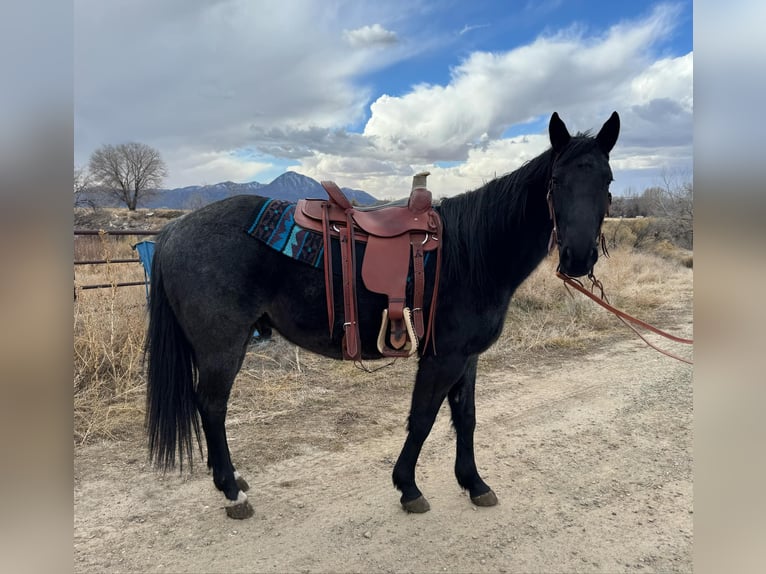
column 607, row 137
column 558, row 133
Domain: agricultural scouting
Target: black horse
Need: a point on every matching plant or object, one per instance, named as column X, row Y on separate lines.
column 212, row 285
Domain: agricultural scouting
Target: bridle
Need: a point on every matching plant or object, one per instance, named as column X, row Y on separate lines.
column 555, row 239
column 602, row 300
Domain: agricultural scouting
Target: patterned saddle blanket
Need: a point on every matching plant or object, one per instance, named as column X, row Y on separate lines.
column 274, row 224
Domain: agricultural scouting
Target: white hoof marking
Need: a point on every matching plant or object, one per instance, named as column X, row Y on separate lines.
column 241, row 498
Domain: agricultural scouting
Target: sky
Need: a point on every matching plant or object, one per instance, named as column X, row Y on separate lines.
column 368, row 93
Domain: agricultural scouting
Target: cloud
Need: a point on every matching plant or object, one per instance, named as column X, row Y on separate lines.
column 214, row 167
column 391, row 179
column 665, row 78
column 203, row 80
column 470, row 28
column 210, row 72
column 302, row 143
column 489, row 92
column 370, row 36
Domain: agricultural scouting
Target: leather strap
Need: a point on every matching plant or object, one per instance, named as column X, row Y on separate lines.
column 348, row 263
column 437, row 224
column 398, row 336
column 336, row 195
column 418, row 271
column 328, row 282
column 624, row 317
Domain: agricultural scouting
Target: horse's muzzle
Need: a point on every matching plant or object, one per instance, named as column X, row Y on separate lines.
column 577, row 262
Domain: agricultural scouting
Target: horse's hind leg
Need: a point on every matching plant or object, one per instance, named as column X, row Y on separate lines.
column 463, row 407
column 216, row 377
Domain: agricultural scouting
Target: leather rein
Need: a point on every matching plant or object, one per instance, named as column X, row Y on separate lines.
column 602, row 299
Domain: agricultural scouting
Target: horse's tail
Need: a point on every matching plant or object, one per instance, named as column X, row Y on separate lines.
column 171, row 411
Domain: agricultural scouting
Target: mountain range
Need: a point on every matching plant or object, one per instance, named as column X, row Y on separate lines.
column 289, row 186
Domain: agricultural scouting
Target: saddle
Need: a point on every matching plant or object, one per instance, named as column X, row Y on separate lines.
column 395, row 234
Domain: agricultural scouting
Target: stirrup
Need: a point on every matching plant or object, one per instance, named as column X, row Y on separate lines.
column 409, row 348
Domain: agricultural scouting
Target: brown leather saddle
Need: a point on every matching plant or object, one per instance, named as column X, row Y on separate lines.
column 395, row 234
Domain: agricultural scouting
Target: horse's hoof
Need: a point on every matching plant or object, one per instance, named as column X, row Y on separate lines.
column 240, row 508
column 486, row 499
column 241, row 482
column 417, row 506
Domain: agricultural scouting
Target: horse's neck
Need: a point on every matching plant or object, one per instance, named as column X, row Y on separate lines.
column 520, row 246
column 503, row 243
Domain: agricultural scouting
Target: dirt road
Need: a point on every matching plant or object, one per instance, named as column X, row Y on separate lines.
column 590, row 456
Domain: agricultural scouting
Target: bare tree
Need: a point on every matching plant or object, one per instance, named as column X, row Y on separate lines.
column 129, row 172
column 82, row 184
column 674, row 199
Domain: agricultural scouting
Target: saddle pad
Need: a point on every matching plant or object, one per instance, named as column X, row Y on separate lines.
column 274, row 224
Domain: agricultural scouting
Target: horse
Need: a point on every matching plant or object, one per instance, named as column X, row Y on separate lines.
column 213, row 285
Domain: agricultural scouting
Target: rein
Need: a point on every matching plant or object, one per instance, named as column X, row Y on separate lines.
column 629, row 320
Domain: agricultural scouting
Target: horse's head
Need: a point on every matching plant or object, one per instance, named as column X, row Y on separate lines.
column 578, row 193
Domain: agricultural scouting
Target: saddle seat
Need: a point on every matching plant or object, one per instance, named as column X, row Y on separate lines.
column 395, row 234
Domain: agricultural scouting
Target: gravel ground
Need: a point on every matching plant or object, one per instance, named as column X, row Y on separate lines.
column 590, row 456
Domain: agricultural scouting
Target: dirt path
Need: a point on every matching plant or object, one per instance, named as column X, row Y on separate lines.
column 591, row 459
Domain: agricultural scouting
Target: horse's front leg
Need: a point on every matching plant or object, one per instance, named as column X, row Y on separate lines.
column 463, row 407
column 434, row 378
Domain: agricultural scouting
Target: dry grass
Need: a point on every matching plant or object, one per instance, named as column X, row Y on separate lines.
column 650, row 234
column 279, row 381
column 108, row 340
column 546, row 319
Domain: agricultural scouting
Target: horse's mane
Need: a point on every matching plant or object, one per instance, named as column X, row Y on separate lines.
column 474, row 219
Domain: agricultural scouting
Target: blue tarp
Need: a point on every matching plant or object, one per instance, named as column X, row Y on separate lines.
column 145, row 251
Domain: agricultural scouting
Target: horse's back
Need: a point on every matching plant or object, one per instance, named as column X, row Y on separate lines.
column 213, row 219
column 211, row 238
column 221, row 280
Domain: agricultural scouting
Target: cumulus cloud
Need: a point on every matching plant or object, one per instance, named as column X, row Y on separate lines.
column 489, row 92
column 368, row 36
column 210, row 72
column 582, row 77
column 665, row 78
column 203, row 80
